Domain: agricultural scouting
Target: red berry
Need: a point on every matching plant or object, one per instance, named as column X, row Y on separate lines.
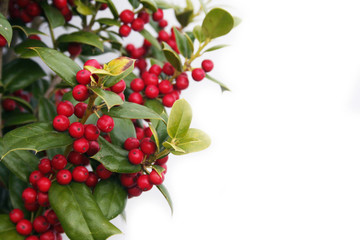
column 147, row 146
column 207, row 65
column 134, row 191
column 168, row 100
column 65, row 108
column 49, row 235
column 137, row 24
column 63, row 177
column 151, row 91
column 155, row 69
column 32, row 237
column 83, row 77
column 75, row 158
column 22, row 3
column 162, row 160
column 146, row 43
column 80, row 93
column 61, row 123
column 31, row 207
column 198, row 74
column 79, row 109
column 58, row 162
column 148, row 132
column 163, row 36
column 93, row 62
column 102, row 172
column 144, row 16
column 105, row 123
column 92, row 180
column 150, row 78
column 16, row 215
column 158, row 15
column 92, row 132
column 131, row 143
column 25, row 17
column 33, row 9
column 24, row 227
column 29, row 195
column 34, row 177
column 73, row 48
column 80, row 174
column 51, row 217
column 137, row 85
column 127, row 16
column 165, row 86
column 8, row 104
column 35, row 37
column 124, row 30
column 168, row 69
column 182, row 82
column 43, row 199
column 176, row 94
column 60, row 3
column 76, row 130
column 94, row 148
column 103, row 6
column 130, row 47
column 40, row 224
column 143, row 183
column 141, row 64
column 122, row 96
column 119, row 87
column 81, row 145
column 43, row 184
column 164, row 167
column 58, row 228
column 44, row 166
column 163, row 23
column 2, row 41
column 107, row 138
column 135, row 156
column 128, row 180
column 140, row 133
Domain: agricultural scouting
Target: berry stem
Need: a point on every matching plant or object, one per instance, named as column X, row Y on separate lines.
column 89, row 109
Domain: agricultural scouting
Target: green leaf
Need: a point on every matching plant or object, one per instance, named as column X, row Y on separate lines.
column 173, row 148
column 53, row 15
column 179, row 119
column 216, row 47
column 5, row 29
column 155, row 105
column 161, row 128
column 78, row 212
column 36, row 137
column 59, row 63
column 29, row 31
column 166, row 194
column 4, row 176
column 83, row 9
column 184, row 16
column 109, row 21
column 133, row 111
column 5, row 203
column 194, row 141
column 23, row 48
column 83, row 37
column 150, row 4
column 18, row 118
column 111, row 197
column 148, row 36
column 199, row 34
column 21, row 101
column 134, row 3
column 47, row 110
column 16, row 187
column 222, row 85
column 8, row 229
column 120, row 68
column 123, row 129
column 110, row 98
column 172, row 56
column 114, row 158
column 184, row 43
column 112, row 8
column 217, row 23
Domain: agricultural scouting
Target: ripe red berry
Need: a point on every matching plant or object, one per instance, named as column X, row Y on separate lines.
column 65, row 108
column 137, row 85
column 35, row 37
column 93, row 62
column 163, row 36
column 141, row 64
column 207, row 65
column 158, row 15
column 144, row 16
column 33, row 9
column 2, row 41
column 165, row 86
column 150, row 78
column 146, row 43
column 137, row 24
column 61, row 123
column 51, row 217
column 16, row 215
column 83, row 76
column 128, row 180
column 105, row 123
column 44, row 166
column 155, row 69
column 131, row 143
column 143, row 183
column 176, row 94
column 155, row 178
column 124, row 30
column 24, row 227
column 43, row 184
column 103, row 6
column 29, row 195
column 25, row 17
column 92, row 180
column 148, row 132
column 32, row 237
column 119, row 87
column 162, row 160
column 22, row 3
column 151, row 91
column 76, row 130
column 73, row 48
column 140, row 133
column 81, row 145
column 127, row 16
column 59, row 229
column 43, row 199
column 80, row 174
column 107, row 138
column 34, row 177
column 163, row 23
column 63, row 177
column 147, row 146
column 79, row 109
column 164, row 167
column 49, row 235
column 80, row 93
column 91, row 132
column 58, row 162
column 168, row 100
column 182, row 82
column 198, row 74
column 130, row 47
column 8, row 104
column 134, row 191
column 102, row 172
column 168, row 69
column 94, row 148
column 31, row 207
column 60, row 3
column 75, row 158
column 135, row 156
column 40, row 224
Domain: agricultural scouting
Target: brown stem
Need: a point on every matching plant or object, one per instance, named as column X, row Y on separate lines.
column 90, row 108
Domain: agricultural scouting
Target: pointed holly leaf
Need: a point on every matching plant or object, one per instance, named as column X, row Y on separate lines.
column 179, row 119
column 172, row 57
column 110, row 98
column 83, row 37
column 5, row 29
column 222, row 85
column 53, row 15
column 217, row 23
column 8, row 229
column 166, row 194
column 133, row 111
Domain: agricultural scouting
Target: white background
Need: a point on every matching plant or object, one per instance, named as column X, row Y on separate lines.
column 284, row 161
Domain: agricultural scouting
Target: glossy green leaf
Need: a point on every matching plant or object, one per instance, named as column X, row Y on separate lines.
column 16, row 187
column 222, row 85
column 114, row 158
column 194, row 141
column 18, row 118
column 59, row 63
column 53, row 15
column 123, row 129
column 110, row 98
column 184, row 44
column 111, row 197
column 83, row 37
column 172, row 56
column 129, row 78
column 184, row 16
column 8, row 229
column 174, row 148
column 109, row 21
column 148, row 36
column 135, row 3
column 133, row 111
column 5, row 29
column 179, row 119
column 112, row 8
column 166, row 194
column 155, row 105
column 199, row 34
column 20, row 101
column 78, row 212
column 161, row 128
column 5, row 203
column 216, row 47
column 47, row 110
column 217, row 23
column 23, row 48
column 4, row 176
column 150, row 4
column 36, row 137
column 84, row 9
column 20, row 73
column 29, row 31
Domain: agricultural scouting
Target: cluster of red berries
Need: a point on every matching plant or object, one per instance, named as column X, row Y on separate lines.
column 10, row 105
column 62, row 6
column 26, row 10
